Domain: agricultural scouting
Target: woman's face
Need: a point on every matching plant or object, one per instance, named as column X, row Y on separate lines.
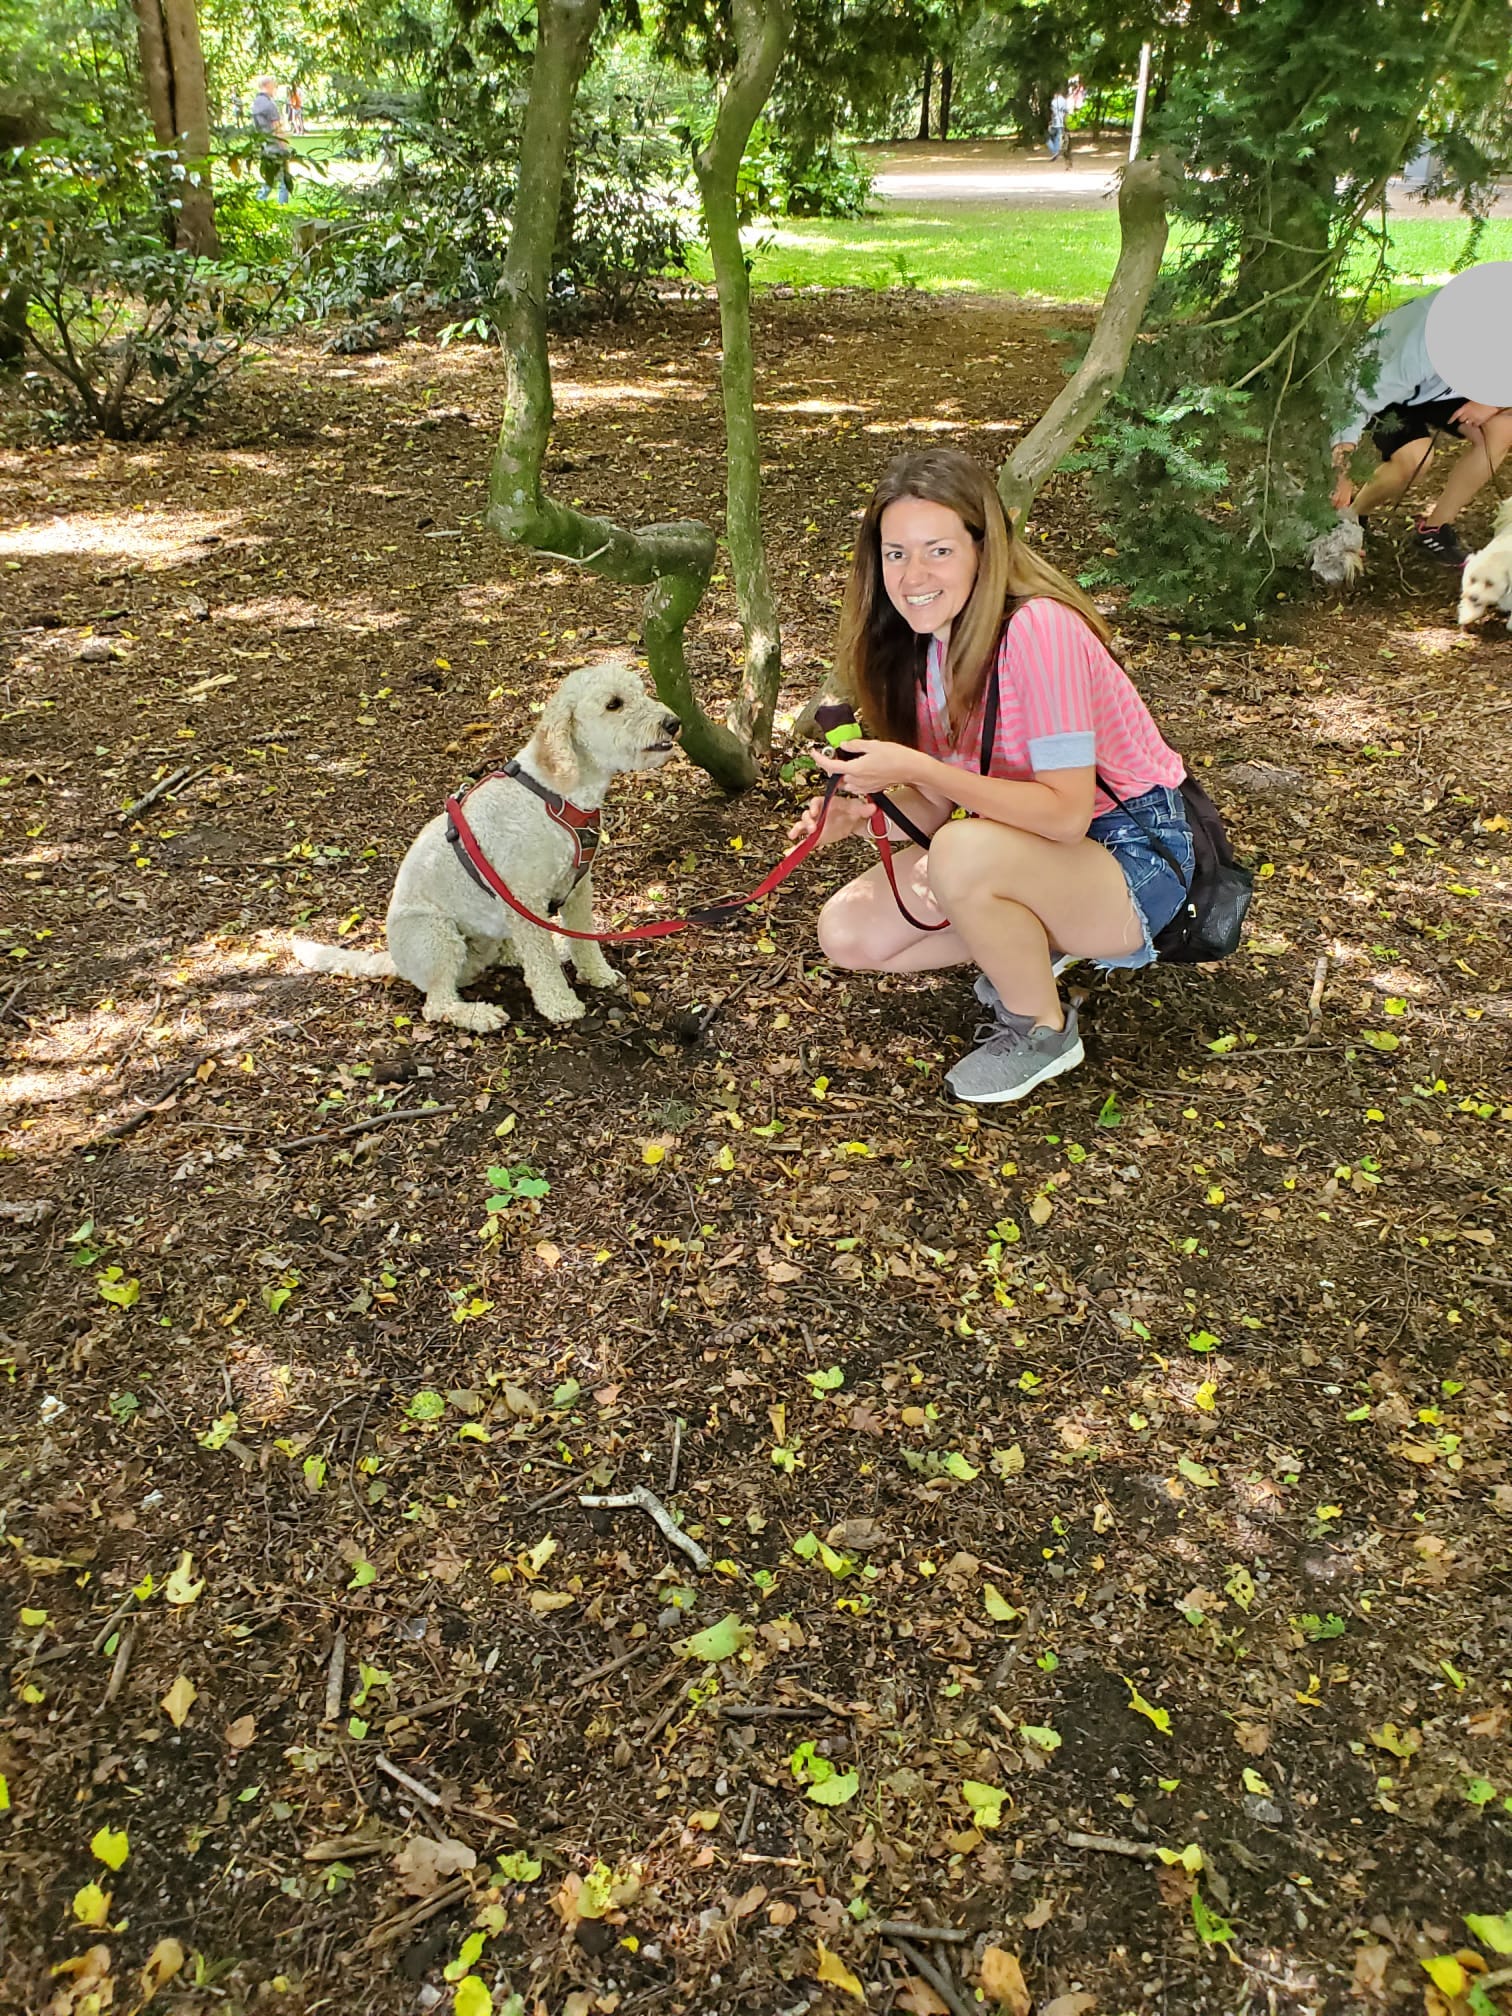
column 929, row 563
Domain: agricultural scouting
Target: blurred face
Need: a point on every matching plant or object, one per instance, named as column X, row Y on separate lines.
column 929, row 563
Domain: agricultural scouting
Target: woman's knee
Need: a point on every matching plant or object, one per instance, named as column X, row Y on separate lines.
column 972, row 857
column 847, row 934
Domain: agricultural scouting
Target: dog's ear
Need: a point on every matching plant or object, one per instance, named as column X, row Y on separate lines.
column 555, row 749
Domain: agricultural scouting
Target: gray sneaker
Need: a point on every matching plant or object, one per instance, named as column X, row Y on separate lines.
column 1016, row 1057
column 992, row 1001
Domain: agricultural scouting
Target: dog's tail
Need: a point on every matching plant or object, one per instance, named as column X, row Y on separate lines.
column 1504, row 516
column 331, row 959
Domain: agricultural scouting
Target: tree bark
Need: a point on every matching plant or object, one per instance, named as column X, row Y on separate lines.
column 157, row 72
column 762, row 28
column 191, row 105
column 673, row 561
column 1145, row 190
column 947, row 86
column 924, row 97
column 178, row 104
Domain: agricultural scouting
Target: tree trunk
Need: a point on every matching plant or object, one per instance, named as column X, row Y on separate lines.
column 173, row 76
column 762, row 28
column 157, row 72
column 673, row 561
column 1145, row 189
column 191, row 105
column 947, row 85
column 924, row 97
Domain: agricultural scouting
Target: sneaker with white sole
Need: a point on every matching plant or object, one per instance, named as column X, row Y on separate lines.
column 992, row 1001
column 1016, row 1056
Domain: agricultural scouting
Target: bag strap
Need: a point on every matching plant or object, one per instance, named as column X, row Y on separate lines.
column 990, row 721
column 1148, row 831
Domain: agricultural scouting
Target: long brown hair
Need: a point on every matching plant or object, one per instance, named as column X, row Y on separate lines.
column 880, row 662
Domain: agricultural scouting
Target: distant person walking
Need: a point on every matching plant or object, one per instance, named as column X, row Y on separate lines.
column 268, row 124
column 295, row 109
column 1057, row 139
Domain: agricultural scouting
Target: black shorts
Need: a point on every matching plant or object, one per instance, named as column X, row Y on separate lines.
column 1399, row 425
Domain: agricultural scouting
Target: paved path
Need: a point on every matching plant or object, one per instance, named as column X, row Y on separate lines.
column 976, row 174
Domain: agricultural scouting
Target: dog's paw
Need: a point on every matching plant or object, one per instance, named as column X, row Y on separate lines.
column 481, row 1017
column 602, row 975
column 564, row 1007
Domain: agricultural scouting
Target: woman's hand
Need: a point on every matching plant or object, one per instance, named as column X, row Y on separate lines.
column 869, row 766
column 847, row 817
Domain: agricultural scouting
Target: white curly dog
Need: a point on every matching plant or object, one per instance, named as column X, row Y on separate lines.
column 444, row 930
column 1486, row 584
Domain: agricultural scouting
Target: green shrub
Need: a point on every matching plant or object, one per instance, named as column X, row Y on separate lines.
column 124, row 336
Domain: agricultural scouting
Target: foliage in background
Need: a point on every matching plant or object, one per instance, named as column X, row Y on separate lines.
column 1212, row 467
column 126, row 337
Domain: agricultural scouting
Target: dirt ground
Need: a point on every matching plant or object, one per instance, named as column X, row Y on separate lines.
column 1108, row 1501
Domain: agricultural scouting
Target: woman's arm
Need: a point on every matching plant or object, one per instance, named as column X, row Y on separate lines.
column 1056, row 804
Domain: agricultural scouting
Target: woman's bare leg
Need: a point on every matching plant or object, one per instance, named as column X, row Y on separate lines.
column 1011, row 897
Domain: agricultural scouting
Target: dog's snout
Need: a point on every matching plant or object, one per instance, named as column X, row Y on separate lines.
column 671, row 726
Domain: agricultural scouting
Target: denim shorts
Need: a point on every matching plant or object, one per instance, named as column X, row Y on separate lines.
column 1157, row 890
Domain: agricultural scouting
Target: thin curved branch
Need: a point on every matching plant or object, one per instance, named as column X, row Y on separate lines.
column 1145, row 192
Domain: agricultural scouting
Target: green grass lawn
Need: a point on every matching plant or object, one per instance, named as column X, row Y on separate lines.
column 1055, row 255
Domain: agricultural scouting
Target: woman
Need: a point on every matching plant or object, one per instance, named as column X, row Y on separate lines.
column 944, row 601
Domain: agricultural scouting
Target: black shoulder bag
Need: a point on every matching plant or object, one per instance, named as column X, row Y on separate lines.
column 1210, row 922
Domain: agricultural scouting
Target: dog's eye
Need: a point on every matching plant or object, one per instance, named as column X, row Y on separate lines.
column 613, row 706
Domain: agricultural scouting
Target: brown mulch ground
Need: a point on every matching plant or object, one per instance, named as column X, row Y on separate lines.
column 1156, row 1435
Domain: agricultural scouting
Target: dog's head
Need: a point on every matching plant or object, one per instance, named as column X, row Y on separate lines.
column 1486, row 583
column 598, row 722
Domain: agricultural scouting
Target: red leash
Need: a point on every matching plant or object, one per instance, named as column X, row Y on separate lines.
column 712, row 915
column 726, row 911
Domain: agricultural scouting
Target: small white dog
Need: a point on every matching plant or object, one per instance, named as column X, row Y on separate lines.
column 444, row 929
column 1486, row 583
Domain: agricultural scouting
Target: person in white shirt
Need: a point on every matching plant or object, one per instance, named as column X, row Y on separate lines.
column 1408, row 405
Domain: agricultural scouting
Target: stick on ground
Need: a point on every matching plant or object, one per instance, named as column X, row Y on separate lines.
column 647, row 1501
column 362, row 1126
column 937, row 1978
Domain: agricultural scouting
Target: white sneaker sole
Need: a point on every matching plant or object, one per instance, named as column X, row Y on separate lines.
column 1052, row 1068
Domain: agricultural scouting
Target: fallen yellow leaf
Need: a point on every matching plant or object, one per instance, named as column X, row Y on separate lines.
column 833, row 1971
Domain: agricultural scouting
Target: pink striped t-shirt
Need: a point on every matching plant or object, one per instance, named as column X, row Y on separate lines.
column 1064, row 702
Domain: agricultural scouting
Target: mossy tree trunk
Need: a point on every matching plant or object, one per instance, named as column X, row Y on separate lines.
column 672, row 561
column 761, row 28
column 1145, row 190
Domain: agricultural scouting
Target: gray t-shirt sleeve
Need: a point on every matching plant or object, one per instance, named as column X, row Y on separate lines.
column 264, row 113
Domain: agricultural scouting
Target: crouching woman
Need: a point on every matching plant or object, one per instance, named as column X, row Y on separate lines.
column 944, row 606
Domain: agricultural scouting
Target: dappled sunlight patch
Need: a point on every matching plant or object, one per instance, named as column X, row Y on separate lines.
column 156, row 537
column 627, row 393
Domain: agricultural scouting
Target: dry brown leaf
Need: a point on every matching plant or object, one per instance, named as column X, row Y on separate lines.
column 780, row 1912
column 164, row 1961
column 749, row 1901
column 1001, row 1980
column 1370, row 1967
column 1075, row 2004
column 1041, row 1914
column 179, row 1699
column 1041, row 1211
column 91, row 1979
column 921, row 2000
column 242, row 1732
column 422, row 1865
column 1254, row 1737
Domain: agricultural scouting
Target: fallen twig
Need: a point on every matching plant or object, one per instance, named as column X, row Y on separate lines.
column 748, row 1821
column 646, row 1501
column 422, row 1792
column 10, row 1000
column 122, row 1663
column 1112, row 1844
column 898, row 1928
column 177, row 782
column 122, row 1610
column 130, row 1124
column 751, row 1711
column 362, row 1126
column 666, row 1714
column 335, row 1676
column 609, row 1666
column 677, row 1435
column 395, row 1928
column 937, row 1978
column 1315, row 999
